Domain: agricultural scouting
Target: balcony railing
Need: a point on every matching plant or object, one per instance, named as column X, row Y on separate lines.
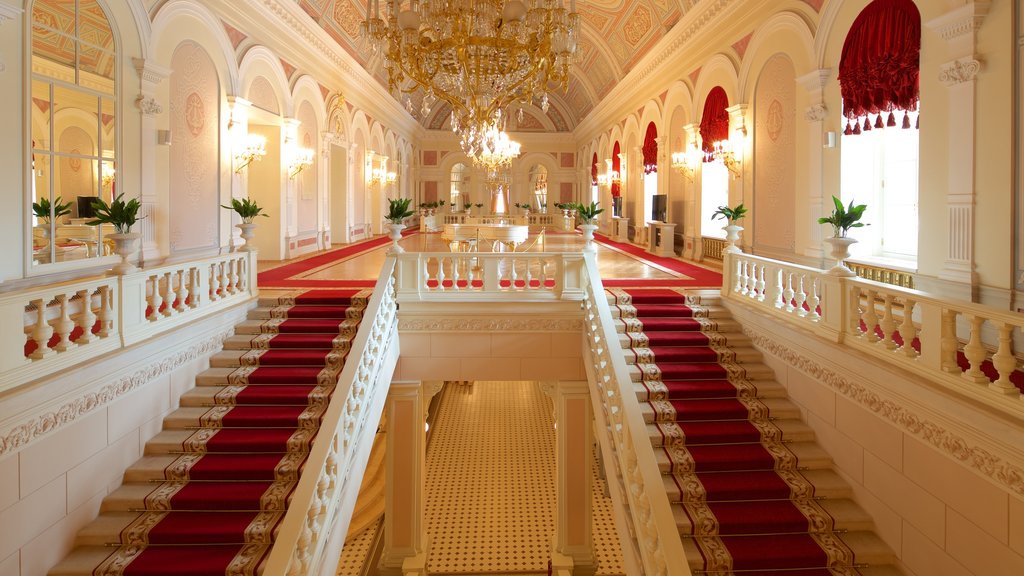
column 490, row 276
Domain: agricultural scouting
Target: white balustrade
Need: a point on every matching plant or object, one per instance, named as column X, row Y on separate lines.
column 326, row 493
column 490, row 276
column 930, row 336
column 653, row 545
column 77, row 321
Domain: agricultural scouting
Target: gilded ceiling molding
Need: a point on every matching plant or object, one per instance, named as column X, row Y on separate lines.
column 39, row 425
column 489, row 325
column 967, row 451
column 710, row 13
column 305, row 33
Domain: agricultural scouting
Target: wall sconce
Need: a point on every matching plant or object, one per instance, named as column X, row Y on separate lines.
column 255, row 148
column 685, row 162
column 602, row 180
column 108, row 174
column 302, row 158
column 615, row 178
column 722, row 151
column 391, row 178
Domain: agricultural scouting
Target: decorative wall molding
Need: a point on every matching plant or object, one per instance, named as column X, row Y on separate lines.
column 961, row 21
column 277, row 8
column 148, row 106
column 21, row 434
column 489, row 325
column 8, row 12
column 964, row 450
column 816, row 113
column 959, row 71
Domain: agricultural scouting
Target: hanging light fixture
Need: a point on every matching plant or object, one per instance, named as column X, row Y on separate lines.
column 495, row 150
column 477, row 55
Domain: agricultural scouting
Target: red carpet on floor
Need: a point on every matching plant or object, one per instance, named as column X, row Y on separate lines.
column 217, row 508
column 749, row 507
column 287, row 276
column 698, row 276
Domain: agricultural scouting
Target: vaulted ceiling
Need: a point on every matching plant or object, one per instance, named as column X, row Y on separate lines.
column 614, row 36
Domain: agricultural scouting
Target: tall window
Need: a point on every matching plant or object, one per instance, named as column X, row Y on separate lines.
column 460, row 181
column 74, row 132
column 650, row 151
column 594, row 194
column 615, row 180
column 878, row 77
column 714, row 181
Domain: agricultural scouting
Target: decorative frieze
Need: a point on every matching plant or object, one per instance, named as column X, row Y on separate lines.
column 961, row 21
column 967, row 451
column 959, row 71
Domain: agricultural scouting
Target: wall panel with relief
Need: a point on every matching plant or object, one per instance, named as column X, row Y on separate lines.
column 74, row 129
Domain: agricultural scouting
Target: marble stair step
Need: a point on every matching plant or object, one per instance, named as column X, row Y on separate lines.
column 81, row 561
column 106, row 529
column 256, row 327
column 793, row 430
column 866, row 546
column 827, row 483
column 233, row 358
column 743, row 355
column 713, row 312
column 267, row 312
column 722, row 326
column 736, row 339
column 131, row 497
column 754, row 372
column 847, row 516
column 219, row 377
column 809, row 456
column 779, row 409
column 765, row 389
column 188, row 417
column 246, row 342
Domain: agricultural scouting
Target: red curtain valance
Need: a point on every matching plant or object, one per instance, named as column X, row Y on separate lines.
column 651, row 149
column 616, row 186
column 714, row 123
column 880, row 64
column 593, row 171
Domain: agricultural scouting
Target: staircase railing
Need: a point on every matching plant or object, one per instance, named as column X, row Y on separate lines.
column 488, row 276
column 902, row 327
column 73, row 322
column 653, row 544
column 313, row 530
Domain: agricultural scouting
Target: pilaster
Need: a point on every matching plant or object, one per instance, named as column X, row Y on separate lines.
column 151, row 75
column 742, row 150
column 405, row 531
column 959, row 28
column 810, row 243
column 691, row 194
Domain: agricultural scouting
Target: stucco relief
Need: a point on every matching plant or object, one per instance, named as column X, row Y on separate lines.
column 194, row 158
column 637, row 25
column 347, row 17
column 775, row 150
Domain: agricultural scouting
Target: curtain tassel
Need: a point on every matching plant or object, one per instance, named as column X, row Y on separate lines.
column 878, row 121
column 906, row 121
column 867, row 125
column 918, row 123
column 848, row 130
column 892, row 120
column 856, row 128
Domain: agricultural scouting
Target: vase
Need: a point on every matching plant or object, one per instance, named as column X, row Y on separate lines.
column 395, row 233
column 125, row 245
column 840, row 247
column 732, row 234
column 588, row 237
column 248, row 233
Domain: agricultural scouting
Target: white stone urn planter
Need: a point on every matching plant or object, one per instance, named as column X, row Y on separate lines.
column 125, row 245
column 395, row 233
column 840, row 247
column 248, row 233
column 732, row 234
column 588, row 237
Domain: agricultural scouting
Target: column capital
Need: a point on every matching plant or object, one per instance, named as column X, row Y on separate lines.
column 150, row 73
column 959, row 71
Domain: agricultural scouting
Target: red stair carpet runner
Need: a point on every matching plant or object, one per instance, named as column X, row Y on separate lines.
column 237, row 445
column 743, row 502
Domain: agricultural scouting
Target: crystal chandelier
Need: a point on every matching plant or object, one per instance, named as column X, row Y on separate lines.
column 477, row 55
column 494, row 150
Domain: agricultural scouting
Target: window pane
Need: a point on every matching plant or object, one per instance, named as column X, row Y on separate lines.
column 41, row 115
column 55, row 48
column 108, row 125
column 55, row 15
column 96, row 69
column 93, row 27
column 714, row 193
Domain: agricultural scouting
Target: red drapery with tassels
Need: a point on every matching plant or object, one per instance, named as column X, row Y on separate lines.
column 651, row 149
column 714, row 123
column 616, row 186
column 593, row 171
column 879, row 69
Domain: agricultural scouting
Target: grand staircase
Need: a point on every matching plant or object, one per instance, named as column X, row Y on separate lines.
column 212, row 487
column 752, row 492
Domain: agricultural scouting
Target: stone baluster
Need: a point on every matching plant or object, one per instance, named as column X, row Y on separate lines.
column 63, row 325
column 813, row 300
column 975, row 352
column 232, row 276
column 1005, row 362
column 854, row 311
column 106, row 311
column 738, row 272
column 907, row 329
column 440, row 273
column 165, row 282
column 949, row 341
column 222, row 280
column 183, row 289
column 774, row 287
column 760, row 283
column 888, row 324
column 787, row 291
column 870, row 317
column 154, row 299
column 41, row 331
column 86, row 318
column 800, row 296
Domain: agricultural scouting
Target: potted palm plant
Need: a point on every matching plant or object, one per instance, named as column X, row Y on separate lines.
column 47, row 212
column 732, row 230
column 398, row 211
column 588, row 217
column 842, row 219
column 122, row 216
column 247, row 210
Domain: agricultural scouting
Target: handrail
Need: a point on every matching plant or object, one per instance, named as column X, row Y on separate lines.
column 480, row 276
column 902, row 327
column 653, row 538
column 328, row 482
column 73, row 322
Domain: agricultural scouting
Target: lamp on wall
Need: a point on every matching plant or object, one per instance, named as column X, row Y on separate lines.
column 253, row 148
column 376, row 169
column 685, row 162
column 722, row 151
column 302, row 158
column 615, row 177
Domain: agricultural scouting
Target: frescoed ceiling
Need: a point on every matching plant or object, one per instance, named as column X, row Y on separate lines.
column 55, row 28
column 614, row 36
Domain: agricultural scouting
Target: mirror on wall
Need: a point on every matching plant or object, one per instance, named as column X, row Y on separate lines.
column 74, row 129
column 459, row 196
column 539, row 188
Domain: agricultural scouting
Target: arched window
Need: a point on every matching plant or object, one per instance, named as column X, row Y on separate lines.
column 593, row 179
column 714, row 191
column 616, row 180
column 650, row 152
column 878, row 78
column 459, row 191
column 74, row 128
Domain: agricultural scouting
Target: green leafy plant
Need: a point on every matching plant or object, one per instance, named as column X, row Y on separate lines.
column 478, row 205
column 587, row 213
column 730, row 214
column 398, row 210
column 246, row 209
column 119, row 214
column 844, row 217
column 41, row 209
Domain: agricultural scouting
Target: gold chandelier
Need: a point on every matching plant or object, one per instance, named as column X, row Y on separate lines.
column 477, row 55
column 496, row 150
